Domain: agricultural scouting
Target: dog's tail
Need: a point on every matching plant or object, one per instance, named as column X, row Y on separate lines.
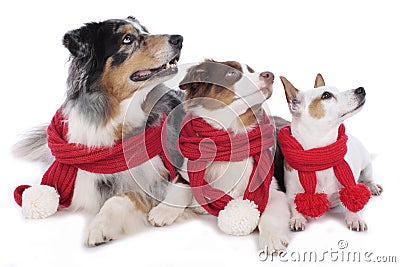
column 33, row 146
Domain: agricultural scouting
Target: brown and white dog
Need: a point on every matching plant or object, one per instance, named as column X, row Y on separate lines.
column 115, row 64
column 317, row 114
column 231, row 97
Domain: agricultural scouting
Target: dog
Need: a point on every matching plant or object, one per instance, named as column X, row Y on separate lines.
column 317, row 116
column 115, row 90
column 229, row 95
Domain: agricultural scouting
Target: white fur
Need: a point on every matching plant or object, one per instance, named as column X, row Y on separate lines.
column 86, row 196
column 178, row 197
column 109, row 221
column 220, row 174
column 233, row 177
column 313, row 132
column 275, row 218
column 118, row 216
column 134, row 115
column 82, row 131
column 251, row 83
column 273, row 222
column 137, row 26
column 118, row 213
column 248, row 94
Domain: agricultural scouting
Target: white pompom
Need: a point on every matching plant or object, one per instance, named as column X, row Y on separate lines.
column 239, row 217
column 39, row 201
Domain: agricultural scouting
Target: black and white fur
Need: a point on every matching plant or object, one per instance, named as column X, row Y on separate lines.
column 115, row 64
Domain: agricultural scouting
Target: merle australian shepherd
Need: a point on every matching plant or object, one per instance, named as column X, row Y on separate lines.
column 115, row 64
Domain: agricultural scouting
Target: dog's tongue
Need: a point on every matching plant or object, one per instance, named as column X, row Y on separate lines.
column 143, row 73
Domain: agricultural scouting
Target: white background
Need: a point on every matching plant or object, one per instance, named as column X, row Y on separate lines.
column 352, row 43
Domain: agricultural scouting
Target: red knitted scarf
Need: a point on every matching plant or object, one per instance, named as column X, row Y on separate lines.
column 353, row 196
column 202, row 144
column 70, row 157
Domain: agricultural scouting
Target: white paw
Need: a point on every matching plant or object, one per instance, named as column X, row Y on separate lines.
column 163, row 215
column 355, row 222
column 100, row 231
column 375, row 189
column 297, row 223
column 273, row 242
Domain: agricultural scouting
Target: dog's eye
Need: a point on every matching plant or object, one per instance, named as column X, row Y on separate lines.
column 326, row 95
column 128, row 39
column 231, row 73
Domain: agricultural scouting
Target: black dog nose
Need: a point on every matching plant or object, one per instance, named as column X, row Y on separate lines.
column 176, row 40
column 360, row 91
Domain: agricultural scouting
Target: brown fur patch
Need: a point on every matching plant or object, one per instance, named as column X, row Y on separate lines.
column 126, row 28
column 248, row 118
column 140, row 201
column 120, row 130
column 222, row 96
column 233, row 64
column 316, row 109
column 209, row 80
column 115, row 80
column 164, row 173
column 250, row 69
column 287, row 166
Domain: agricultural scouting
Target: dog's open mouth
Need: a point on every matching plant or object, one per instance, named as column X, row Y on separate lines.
column 164, row 70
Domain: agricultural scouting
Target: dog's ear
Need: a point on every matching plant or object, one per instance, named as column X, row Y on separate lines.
column 80, row 42
column 319, row 81
column 291, row 94
column 290, row 91
column 194, row 77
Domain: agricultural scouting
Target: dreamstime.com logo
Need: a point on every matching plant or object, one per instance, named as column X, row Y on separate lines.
column 341, row 253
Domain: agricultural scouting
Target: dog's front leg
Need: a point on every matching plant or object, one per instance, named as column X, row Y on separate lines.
column 121, row 214
column 273, row 223
column 355, row 222
column 297, row 221
column 366, row 178
column 178, row 197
